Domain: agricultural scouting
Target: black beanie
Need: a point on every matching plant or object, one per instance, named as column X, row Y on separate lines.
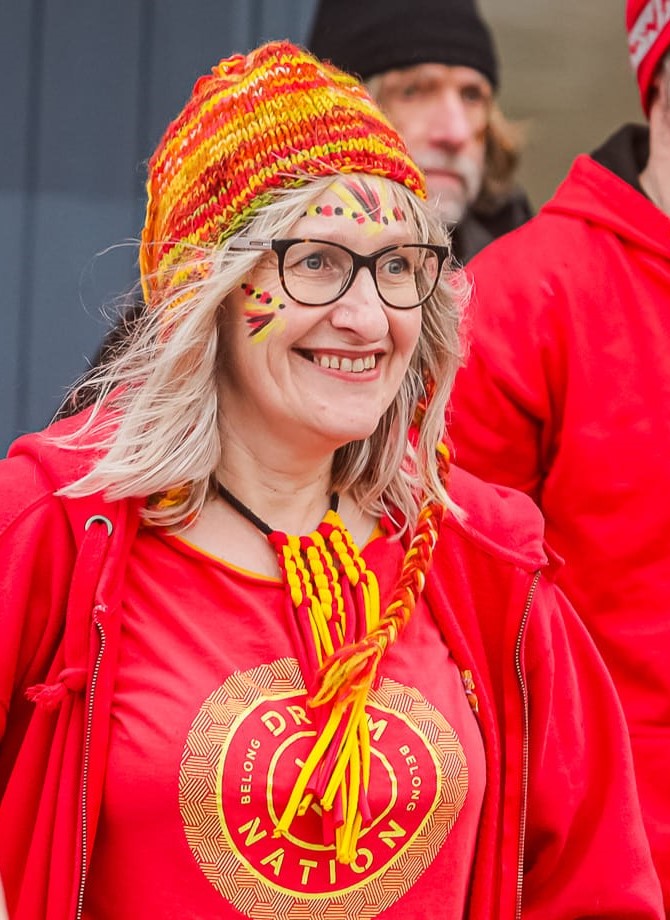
column 368, row 37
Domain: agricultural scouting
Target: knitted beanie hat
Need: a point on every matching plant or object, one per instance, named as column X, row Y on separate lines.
column 259, row 122
column 648, row 27
column 371, row 38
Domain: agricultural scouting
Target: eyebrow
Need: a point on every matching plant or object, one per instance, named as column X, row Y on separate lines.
column 432, row 71
column 394, row 234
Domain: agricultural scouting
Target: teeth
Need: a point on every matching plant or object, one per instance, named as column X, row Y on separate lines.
column 348, row 365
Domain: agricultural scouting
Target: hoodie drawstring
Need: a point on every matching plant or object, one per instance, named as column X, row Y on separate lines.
column 85, row 577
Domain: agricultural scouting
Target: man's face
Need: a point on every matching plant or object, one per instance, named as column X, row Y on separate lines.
column 442, row 113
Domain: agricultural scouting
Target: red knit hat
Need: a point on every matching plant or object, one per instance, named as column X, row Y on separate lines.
column 648, row 27
column 259, row 122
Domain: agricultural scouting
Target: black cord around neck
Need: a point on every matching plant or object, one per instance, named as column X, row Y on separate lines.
column 247, row 513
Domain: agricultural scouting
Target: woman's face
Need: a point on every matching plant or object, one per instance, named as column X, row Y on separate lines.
column 317, row 377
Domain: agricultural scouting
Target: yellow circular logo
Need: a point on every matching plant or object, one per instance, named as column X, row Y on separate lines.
column 242, row 756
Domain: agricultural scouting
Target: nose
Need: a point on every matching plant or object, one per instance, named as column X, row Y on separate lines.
column 361, row 309
column 450, row 127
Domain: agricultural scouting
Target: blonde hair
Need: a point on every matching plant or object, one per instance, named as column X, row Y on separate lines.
column 159, row 433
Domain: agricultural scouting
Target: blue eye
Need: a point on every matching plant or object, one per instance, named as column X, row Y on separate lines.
column 313, row 261
column 397, row 266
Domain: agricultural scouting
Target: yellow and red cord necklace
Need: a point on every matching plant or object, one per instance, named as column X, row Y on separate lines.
column 333, row 612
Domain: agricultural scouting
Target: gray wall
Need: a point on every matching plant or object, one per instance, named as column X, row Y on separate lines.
column 565, row 76
column 89, row 85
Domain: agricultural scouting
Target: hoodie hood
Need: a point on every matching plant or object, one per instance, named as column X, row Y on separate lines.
column 61, row 465
column 503, row 522
column 593, row 192
column 40, row 468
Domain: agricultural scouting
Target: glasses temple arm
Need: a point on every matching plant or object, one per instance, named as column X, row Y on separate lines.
column 242, row 244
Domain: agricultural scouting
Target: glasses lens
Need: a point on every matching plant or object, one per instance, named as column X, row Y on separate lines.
column 407, row 275
column 315, row 273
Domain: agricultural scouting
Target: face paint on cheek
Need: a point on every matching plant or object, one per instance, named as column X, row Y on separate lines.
column 261, row 312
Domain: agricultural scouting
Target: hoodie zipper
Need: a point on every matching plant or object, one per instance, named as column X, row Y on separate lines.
column 85, row 770
column 525, row 744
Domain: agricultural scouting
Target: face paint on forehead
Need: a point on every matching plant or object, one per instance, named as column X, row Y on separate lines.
column 368, row 205
column 260, row 312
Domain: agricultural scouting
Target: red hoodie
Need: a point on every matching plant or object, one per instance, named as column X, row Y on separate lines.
column 560, row 834
column 566, row 395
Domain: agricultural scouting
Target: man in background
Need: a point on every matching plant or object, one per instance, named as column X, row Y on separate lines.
column 566, row 395
column 432, row 66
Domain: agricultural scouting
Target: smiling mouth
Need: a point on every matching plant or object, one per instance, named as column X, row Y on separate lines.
column 343, row 363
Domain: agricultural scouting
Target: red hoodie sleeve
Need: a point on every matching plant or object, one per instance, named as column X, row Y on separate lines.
column 586, row 851
column 503, row 421
column 37, row 554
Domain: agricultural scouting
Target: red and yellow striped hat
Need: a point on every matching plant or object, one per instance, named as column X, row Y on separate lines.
column 258, row 122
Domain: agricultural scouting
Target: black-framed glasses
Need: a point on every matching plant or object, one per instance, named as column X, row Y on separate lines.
column 316, row 273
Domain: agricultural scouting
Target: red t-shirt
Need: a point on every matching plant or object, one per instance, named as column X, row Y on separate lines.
column 209, row 727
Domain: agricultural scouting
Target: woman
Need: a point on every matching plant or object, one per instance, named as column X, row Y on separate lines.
column 261, row 657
